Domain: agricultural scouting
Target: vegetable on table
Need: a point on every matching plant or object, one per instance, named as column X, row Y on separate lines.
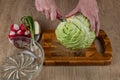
column 22, row 27
column 16, row 30
column 29, row 28
column 37, row 28
column 75, row 32
column 15, row 27
column 29, row 23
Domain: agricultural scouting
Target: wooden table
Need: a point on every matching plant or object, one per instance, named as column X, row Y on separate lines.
column 12, row 10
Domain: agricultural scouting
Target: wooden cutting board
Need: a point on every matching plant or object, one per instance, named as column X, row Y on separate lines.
column 57, row 54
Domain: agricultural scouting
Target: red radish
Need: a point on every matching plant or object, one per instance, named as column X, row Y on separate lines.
column 12, row 34
column 22, row 27
column 20, row 33
column 27, row 33
column 14, row 27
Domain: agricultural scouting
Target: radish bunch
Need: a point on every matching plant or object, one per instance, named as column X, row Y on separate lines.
column 29, row 28
column 16, row 30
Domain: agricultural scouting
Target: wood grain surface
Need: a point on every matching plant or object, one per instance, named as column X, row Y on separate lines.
column 56, row 54
column 12, row 10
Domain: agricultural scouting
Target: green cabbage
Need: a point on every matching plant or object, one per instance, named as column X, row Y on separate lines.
column 75, row 32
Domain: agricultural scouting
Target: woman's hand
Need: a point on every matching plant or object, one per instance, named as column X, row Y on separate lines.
column 48, row 8
column 89, row 9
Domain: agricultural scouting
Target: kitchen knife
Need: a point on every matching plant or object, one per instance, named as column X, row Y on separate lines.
column 61, row 18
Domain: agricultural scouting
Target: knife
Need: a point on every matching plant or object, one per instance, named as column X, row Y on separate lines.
column 60, row 18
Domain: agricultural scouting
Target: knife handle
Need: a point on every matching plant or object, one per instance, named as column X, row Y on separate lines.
column 58, row 16
column 61, row 18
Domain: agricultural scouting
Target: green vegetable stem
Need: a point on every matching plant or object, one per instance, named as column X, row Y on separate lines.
column 29, row 24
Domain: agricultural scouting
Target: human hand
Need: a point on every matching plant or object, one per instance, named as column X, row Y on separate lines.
column 48, row 8
column 89, row 9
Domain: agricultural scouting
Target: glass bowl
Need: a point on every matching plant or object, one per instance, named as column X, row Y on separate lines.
column 23, row 61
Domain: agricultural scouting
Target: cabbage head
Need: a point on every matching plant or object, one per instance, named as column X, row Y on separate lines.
column 75, row 32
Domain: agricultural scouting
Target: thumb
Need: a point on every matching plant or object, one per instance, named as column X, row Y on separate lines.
column 74, row 11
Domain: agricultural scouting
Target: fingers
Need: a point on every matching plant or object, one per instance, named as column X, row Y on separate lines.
column 38, row 7
column 74, row 11
column 92, row 22
column 97, row 25
column 47, row 13
column 49, row 9
column 53, row 15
